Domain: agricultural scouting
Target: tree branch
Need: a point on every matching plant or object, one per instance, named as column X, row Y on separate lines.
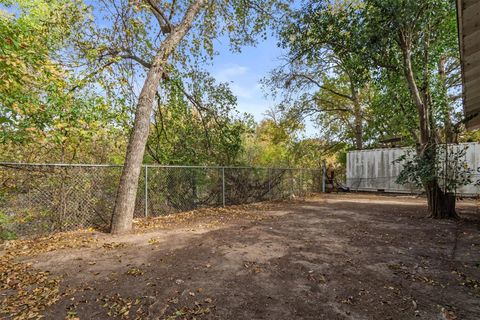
column 162, row 19
column 319, row 85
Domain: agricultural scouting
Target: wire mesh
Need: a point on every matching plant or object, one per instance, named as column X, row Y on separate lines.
column 43, row 198
column 39, row 199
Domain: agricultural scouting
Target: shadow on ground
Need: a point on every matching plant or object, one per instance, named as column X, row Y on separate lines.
column 330, row 257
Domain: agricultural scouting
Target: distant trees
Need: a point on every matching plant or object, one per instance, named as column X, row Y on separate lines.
column 41, row 118
column 278, row 141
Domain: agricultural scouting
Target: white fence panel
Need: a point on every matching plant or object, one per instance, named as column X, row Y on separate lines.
column 376, row 170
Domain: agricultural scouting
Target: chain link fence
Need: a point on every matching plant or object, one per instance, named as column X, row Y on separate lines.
column 42, row 198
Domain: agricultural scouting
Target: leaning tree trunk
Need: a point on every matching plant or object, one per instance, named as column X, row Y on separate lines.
column 127, row 190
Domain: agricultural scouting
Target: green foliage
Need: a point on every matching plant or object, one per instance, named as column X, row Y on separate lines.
column 5, row 233
column 449, row 168
column 427, row 30
column 336, row 56
column 201, row 128
column 42, row 107
column 278, row 143
column 323, row 79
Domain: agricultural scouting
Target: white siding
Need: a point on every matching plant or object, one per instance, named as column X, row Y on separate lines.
column 372, row 170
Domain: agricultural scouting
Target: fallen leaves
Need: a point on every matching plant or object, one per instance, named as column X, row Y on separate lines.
column 198, row 310
column 206, row 217
column 412, row 273
column 136, row 272
column 153, row 241
column 25, row 291
column 252, row 267
column 447, row 314
column 57, row 241
column 348, row 300
column 114, row 245
column 189, row 313
column 316, row 278
column 467, row 281
column 117, row 306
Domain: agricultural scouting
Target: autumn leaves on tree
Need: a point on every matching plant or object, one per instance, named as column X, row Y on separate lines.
column 124, row 82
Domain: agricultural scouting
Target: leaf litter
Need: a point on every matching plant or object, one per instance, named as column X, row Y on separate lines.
column 25, row 293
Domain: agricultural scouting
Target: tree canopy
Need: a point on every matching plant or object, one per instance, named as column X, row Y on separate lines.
column 126, row 82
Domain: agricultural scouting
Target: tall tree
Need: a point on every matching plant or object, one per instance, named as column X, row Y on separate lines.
column 182, row 36
column 329, row 80
column 417, row 39
column 127, row 190
column 409, row 49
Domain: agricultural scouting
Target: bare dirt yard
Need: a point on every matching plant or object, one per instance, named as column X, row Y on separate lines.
column 345, row 256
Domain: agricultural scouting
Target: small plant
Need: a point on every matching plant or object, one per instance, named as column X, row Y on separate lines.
column 5, row 233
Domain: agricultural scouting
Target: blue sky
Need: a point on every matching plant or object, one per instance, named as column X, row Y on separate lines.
column 244, row 71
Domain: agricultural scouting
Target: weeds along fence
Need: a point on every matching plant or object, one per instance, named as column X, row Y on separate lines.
column 42, row 198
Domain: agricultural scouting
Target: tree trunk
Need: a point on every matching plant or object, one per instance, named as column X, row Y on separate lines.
column 127, row 190
column 441, row 205
column 450, row 136
column 357, row 113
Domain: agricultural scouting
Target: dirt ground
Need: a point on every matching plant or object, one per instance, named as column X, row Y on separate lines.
column 345, row 256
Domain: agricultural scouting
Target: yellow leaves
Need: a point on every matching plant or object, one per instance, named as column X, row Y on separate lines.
column 64, row 240
column 60, row 125
column 16, row 108
column 136, row 272
column 114, row 245
column 153, row 241
column 24, row 291
column 205, row 217
column 32, row 130
column 118, row 306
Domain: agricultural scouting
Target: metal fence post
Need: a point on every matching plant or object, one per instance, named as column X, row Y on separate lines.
column 223, row 186
column 269, row 184
column 324, row 173
column 301, row 183
column 146, row 191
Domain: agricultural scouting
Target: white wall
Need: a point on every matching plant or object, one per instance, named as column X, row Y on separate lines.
column 372, row 170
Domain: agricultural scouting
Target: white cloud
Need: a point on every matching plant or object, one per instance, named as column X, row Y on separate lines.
column 245, row 85
column 239, row 80
column 230, row 73
column 243, row 92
